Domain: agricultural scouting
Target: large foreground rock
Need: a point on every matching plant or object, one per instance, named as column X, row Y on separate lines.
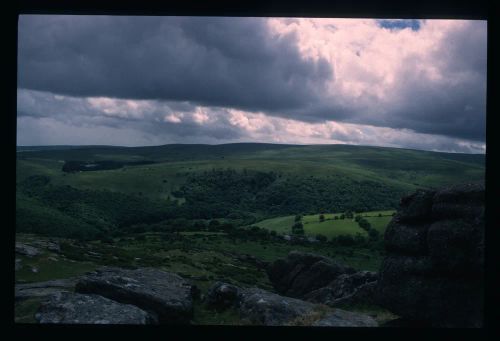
column 343, row 318
column 265, row 308
column 347, row 289
column 262, row 307
column 43, row 289
column 435, row 258
column 300, row 273
column 166, row 296
column 71, row 308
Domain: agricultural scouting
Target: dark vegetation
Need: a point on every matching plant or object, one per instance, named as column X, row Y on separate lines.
column 218, row 193
column 84, row 166
column 237, row 197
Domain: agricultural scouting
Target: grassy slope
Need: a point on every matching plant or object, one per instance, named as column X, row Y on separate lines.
column 330, row 227
column 407, row 169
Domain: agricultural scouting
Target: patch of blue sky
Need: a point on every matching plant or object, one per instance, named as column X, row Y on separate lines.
column 399, row 24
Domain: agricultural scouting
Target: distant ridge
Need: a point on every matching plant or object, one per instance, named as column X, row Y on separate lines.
column 259, row 145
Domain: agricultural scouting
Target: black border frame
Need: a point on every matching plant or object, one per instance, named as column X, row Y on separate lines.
column 428, row 9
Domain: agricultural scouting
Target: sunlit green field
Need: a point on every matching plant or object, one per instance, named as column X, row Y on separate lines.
column 331, row 227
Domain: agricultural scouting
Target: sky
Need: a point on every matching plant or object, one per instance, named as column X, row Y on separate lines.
column 134, row 81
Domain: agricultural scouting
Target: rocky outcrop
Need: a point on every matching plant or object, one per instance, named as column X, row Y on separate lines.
column 343, row 318
column 262, row 307
column 265, row 308
column 165, row 296
column 26, row 250
column 347, row 289
column 435, row 258
column 43, row 289
column 300, row 273
column 71, row 308
column 222, row 296
column 322, row 280
column 50, row 245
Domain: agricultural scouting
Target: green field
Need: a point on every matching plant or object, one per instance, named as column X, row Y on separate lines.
column 330, row 227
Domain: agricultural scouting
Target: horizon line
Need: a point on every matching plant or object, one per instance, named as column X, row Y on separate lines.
column 233, row 143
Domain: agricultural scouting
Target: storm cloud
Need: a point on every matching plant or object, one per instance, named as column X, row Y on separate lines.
column 233, row 62
column 155, row 80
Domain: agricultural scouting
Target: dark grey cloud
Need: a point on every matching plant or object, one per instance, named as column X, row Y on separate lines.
column 184, row 62
column 228, row 62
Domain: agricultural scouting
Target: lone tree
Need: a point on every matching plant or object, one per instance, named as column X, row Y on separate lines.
column 321, row 218
column 298, row 218
column 298, row 228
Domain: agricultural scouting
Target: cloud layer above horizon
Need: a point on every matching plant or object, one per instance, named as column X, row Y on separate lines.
column 157, row 80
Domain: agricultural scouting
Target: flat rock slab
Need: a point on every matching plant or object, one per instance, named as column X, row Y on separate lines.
column 165, row 295
column 27, row 250
column 71, row 308
column 343, row 318
column 265, row 308
column 43, row 289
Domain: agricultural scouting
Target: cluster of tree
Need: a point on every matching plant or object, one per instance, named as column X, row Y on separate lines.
column 66, row 211
column 373, row 234
column 298, row 228
column 218, row 193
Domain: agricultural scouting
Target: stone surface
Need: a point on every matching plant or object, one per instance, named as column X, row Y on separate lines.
column 343, row 318
column 43, row 289
column 19, row 264
column 405, row 238
column 222, row 296
column 164, row 295
column 26, row 250
column 347, row 289
column 50, row 245
column 71, row 308
column 265, row 308
column 262, row 307
column 433, row 270
column 301, row 273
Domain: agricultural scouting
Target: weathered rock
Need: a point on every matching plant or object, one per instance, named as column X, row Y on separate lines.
column 432, row 273
column 222, row 296
column 265, row 308
column 164, row 295
column 50, row 245
column 465, row 201
column 27, row 250
column 347, row 289
column 415, row 207
column 343, row 318
column 43, row 289
column 262, row 307
column 407, row 239
column 71, row 308
column 301, row 273
column 19, row 266
column 456, row 247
